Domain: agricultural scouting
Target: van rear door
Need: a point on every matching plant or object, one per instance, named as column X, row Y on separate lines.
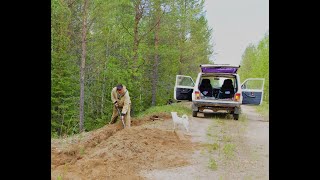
column 219, row 68
column 183, row 88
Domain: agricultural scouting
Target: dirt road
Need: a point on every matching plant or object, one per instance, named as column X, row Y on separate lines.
column 216, row 147
column 231, row 149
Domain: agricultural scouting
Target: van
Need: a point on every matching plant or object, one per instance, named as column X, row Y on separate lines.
column 218, row 89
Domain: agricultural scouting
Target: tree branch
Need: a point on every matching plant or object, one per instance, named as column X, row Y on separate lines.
column 152, row 27
column 126, row 29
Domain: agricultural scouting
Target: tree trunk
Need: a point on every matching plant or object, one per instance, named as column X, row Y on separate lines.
column 156, row 57
column 103, row 89
column 83, row 63
column 136, row 40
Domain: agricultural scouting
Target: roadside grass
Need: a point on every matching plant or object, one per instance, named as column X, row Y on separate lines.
column 213, row 164
column 226, row 138
column 229, row 150
column 221, row 122
column 212, row 136
column 203, row 152
column 224, row 144
column 210, row 131
column 175, row 107
column 221, row 142
column 243, row 119
column 214, row 146
column 209, row 134
column 263, row 108
column 211, row 146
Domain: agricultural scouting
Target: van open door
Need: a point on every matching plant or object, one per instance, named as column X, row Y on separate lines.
column 252, row 91
column 183, row 88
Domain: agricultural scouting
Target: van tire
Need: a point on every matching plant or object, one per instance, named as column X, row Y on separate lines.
column 235, row 116
column 194, row 113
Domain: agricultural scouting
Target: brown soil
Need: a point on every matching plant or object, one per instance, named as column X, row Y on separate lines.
column 115, row 153
column 150, row 149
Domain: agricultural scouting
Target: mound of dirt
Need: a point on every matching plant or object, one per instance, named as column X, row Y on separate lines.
column 115, row 153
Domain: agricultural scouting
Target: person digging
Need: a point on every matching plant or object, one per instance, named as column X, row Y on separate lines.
column 121, row 104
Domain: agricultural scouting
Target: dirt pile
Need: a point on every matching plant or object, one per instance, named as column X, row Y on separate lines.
column 113, row 153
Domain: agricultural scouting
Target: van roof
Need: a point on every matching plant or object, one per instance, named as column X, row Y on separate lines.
column 219, row 68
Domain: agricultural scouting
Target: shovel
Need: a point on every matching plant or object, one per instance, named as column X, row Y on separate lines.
column 120, row 117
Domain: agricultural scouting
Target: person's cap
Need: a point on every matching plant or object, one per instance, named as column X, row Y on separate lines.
column 119, row 87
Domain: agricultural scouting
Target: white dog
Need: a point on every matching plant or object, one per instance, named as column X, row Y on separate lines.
column 184, row 120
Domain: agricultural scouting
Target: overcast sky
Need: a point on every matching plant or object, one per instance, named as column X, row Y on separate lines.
column 236, row 24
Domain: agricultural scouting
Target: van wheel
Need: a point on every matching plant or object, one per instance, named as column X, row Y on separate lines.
column 194, row 113
column 235, row 116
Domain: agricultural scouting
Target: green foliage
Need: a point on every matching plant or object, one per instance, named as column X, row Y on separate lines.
column 183, row 44
column 64, row 81
column 255, row 64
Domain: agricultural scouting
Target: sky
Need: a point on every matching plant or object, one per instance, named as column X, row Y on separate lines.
column 235, row 25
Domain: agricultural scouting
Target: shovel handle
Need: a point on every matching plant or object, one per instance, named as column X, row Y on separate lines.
column 120, row 117
column 122, row 122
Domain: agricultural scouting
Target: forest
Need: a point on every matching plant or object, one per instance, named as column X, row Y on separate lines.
column 143, row 44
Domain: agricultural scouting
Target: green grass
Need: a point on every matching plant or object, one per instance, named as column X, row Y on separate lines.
column 226, row 138
column 221, row 122
column 229, row 150
column 243, row 118
column 175, row 107
column 263, row 108
column 203, row 152
column 209, row 134
column 213, row 164
column 212, row 147
column 210, row 131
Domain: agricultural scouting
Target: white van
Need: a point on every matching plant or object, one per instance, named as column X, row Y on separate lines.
column 218, row 88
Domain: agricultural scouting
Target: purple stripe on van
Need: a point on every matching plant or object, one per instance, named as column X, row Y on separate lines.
column 219, row 70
